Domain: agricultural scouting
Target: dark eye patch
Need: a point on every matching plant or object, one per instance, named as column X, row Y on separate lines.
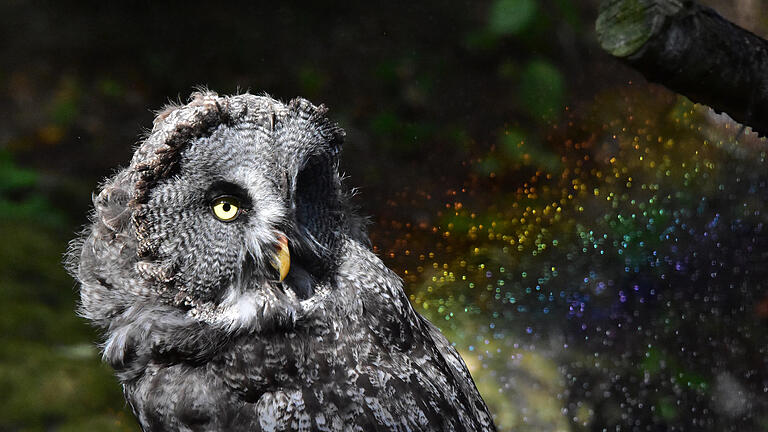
column 226, row 188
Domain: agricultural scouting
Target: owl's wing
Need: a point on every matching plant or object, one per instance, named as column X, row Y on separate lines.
column 461, row 374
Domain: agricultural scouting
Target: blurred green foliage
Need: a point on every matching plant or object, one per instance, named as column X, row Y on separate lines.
column 20, row 200
column 512, row 17
column 50, row 369
column 542, row 89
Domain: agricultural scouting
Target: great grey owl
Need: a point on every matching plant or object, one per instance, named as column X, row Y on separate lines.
column 237, row 291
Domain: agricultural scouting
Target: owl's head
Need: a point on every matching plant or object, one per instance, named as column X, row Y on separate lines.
column 231, row 211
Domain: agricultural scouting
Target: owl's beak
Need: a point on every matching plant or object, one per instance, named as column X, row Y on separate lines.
column 282, row 260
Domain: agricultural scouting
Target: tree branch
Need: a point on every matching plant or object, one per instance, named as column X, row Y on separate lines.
column 692, row 50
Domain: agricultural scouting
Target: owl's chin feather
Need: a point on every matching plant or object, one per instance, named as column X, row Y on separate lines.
column 263, row 307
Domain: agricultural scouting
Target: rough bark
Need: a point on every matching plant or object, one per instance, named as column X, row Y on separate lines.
column 692, row 50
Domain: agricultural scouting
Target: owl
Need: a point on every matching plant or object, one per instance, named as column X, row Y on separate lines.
column 236, row 288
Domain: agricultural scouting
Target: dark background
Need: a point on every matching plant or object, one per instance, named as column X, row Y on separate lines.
column 593, row 245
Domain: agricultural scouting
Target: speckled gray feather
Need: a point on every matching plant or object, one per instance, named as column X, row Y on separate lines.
column 201, row 334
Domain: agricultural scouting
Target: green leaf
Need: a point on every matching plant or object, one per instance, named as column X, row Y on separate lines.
column 12, row 177
column 512, row 16
column 542, row 89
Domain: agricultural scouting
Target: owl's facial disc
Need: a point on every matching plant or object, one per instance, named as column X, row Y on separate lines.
column 238, row 209
column 266, row 232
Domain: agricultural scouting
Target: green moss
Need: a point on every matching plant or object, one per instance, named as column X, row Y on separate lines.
column 624, row 26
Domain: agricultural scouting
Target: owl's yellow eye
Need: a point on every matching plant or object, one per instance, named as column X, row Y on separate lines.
column 226, row 208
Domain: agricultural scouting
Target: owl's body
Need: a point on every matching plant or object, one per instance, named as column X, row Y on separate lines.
column 208, row 330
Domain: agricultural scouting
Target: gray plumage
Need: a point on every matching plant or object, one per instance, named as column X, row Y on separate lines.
column 199, row 330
